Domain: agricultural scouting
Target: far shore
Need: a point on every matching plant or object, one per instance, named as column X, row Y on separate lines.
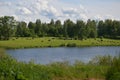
column 17, row 43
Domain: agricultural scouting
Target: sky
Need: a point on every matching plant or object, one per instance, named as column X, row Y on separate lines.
column 30, row 10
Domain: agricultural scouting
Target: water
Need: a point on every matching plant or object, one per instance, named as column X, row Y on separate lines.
column 50, row 55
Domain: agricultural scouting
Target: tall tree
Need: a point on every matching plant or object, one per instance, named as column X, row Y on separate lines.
column 91, row 29
column 31, row 27
column 7, row 24
column 52, row 30
column 22, row 30
column 69, row 26
column 80, row 29
column 38, row 28
column 58, row 27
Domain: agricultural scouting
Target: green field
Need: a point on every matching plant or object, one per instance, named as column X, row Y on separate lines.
column 55, row 42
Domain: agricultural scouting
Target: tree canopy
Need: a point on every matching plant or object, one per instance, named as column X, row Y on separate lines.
column 9, row 27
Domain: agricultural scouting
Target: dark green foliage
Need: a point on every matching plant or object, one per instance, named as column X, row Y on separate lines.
column 38, row 30
column 71, row 45
column 109, row 28
column 91, row 29
column 7, row 26
column 78, row 30
column 69, row 28
column 31, row 27
column 22, row 30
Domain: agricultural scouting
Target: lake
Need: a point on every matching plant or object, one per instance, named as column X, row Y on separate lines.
column 60, row 54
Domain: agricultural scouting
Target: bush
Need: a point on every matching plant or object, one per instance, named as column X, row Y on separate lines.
column 71, row 45
column 62, row 45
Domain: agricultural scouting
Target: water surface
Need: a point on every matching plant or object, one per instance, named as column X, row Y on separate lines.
column 60, row 54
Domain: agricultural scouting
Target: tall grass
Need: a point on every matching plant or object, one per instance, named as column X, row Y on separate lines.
column 113, row 72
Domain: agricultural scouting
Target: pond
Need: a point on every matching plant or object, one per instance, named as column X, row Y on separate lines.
column 60, row 54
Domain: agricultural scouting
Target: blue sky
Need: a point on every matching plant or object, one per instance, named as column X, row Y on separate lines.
column 30, row 10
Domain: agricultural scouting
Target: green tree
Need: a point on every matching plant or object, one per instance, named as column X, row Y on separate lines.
column 101, row 28
column 52, row 31
column 58, row 27
column 80, row 29
column 7, row 24
column 38, row 28
column 45, row 29
column 69, row 28
column 31, row 27
column 22, row 30
column 91, row 29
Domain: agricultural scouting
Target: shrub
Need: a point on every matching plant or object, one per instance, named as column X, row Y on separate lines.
column 62, row 45
column 71, row 45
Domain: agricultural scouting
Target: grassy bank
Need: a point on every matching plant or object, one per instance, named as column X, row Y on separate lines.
column 55, row 42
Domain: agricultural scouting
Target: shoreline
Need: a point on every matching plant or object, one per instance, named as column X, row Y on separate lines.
column 61, row 47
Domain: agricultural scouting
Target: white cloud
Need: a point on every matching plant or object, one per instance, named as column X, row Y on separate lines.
column 5, row 3
column 84, row 17
column 98, row 17
column 109, row 17
column 75, row 13
column 70, row 11
column 30, row 10
column 15, row 16
column 24, row 11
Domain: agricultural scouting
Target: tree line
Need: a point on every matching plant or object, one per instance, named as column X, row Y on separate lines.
column 80, row 29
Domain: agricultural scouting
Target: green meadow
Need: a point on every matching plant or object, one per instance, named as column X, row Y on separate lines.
column 29, row 42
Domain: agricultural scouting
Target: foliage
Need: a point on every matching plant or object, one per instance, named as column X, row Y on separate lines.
column 7, row 25
column 71, row 45
column 69, row 29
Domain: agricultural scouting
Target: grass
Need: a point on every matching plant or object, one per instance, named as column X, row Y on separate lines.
column 11, row 69
column 55, row 42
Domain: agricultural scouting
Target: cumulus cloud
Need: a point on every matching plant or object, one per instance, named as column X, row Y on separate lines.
column 108, row 16
column 15, row 17
column 75, row 13
column 5, row 3
column 24, row 11
column 30, row 10
column 100, row 17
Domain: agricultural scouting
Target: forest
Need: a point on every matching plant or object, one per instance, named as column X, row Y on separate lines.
column 80, row 29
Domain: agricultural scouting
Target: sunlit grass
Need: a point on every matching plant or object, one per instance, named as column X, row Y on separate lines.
column 55, row 42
